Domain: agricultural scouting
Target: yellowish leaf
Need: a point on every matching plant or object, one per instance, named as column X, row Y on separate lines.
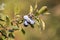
column 31, row 9
column 43, row 24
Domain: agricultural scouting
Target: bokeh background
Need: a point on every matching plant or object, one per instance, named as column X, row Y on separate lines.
column 21, row 7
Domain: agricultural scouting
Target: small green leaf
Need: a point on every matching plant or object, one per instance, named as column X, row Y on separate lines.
column 11, row 35
column 15, row 28
column 42, row 10
column 43, row 24
column 7, row 21
column 23, row 31
column 31, row 9
column 2, row 26
column 20, row 22
column 2, row 20
column 3, row 32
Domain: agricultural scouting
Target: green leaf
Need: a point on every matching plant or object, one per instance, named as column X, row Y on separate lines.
column 42, row 10
column 20, row 22
column 23, row 31
column 37, row 19
column 11, row 35
column 15, row 27
column 43, row 24
column 2, row 26
column 3, row 32
column 31, row 9
column 7, row 21
column 2, row 20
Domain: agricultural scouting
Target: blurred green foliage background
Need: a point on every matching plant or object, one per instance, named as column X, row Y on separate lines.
column 52, row 21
